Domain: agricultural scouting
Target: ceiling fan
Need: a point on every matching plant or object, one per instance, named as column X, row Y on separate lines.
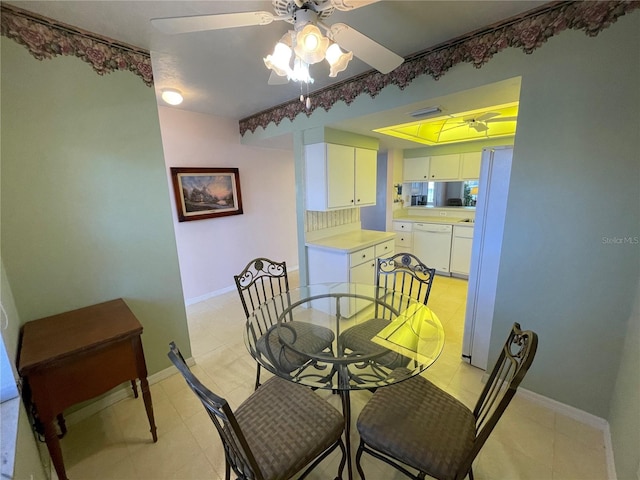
column 306, row 16
column 480, row 122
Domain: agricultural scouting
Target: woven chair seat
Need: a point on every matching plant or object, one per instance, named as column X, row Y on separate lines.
column 358, row 339
column 286, row 426
column 420, row 425
column 308, row 338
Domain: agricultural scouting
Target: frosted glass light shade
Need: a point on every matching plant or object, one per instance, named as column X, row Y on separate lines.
column 337, row 59
column 300, row 72
column 172, row 96
column 278, row 61
column 311, row 45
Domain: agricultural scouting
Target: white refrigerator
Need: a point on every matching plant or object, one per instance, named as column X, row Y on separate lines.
column 491, row 206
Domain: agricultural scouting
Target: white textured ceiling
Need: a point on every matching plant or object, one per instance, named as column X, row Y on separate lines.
column 222, row 72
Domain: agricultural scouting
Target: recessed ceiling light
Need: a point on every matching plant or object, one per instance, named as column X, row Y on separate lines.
column 172, row 96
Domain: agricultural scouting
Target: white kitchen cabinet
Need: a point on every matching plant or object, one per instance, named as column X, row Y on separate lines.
column 444, row 167
column 415, row 169
column 385, row 249
column 329, row 265
column 470, row 165
column 461, row 249
column 339, row 176
column 404, row 236
column 366, row 163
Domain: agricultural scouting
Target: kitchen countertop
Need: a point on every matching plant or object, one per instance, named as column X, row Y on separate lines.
column 352, row 241
column 440, row 220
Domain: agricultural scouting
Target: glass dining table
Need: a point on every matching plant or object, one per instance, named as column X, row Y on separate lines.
column 344, row 337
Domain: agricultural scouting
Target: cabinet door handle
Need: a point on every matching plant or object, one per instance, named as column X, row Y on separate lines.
column 364, row 255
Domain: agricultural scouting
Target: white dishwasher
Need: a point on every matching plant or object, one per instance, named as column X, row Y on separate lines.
column 432, row 245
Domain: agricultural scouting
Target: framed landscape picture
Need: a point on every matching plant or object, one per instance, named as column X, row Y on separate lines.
column 206, row 192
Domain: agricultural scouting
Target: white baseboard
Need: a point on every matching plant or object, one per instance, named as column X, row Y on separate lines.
column 221, row 291
column 207, row 296
column 580, row 416
column 120, row 394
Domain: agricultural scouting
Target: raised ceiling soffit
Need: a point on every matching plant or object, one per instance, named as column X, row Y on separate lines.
column 527, row 31
column 46, row 38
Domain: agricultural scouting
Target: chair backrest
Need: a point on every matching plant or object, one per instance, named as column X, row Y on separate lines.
column 404, row 273
column 261, row 280
column 237, row 451
column 509, row 370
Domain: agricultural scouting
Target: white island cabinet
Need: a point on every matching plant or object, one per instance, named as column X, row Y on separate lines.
column 339, row 176
column 349, row 257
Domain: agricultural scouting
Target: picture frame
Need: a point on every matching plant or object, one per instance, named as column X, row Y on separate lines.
column 202, row 192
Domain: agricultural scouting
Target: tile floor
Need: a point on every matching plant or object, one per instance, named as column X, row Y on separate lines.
column 530, row 442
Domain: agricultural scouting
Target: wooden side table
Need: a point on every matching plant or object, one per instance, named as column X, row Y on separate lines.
column 75, row 356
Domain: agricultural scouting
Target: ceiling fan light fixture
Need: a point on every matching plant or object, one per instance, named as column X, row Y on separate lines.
column 337, row 59
column 311, row 45
column 300, row 72
column 172, row 96
column 278, row 61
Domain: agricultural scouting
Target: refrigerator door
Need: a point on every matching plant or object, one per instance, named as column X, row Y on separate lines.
column 495, row 173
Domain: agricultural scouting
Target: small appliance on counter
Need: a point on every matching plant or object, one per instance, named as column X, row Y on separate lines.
column 418, row 200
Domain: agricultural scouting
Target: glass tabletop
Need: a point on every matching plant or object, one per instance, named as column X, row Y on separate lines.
column 344, row 336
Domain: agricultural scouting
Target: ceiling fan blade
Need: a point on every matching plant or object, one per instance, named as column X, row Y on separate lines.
column 486, row 116
column 199, row 23
column 346, row 5
column 453, row 128
column 479, row 127
column 379, row 57
column 503, row 119
column 275, row 79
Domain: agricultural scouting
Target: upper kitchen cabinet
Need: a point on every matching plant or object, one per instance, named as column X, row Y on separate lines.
column 444, row 167
column 415, row 169
column 339, row 176
column 470, row 165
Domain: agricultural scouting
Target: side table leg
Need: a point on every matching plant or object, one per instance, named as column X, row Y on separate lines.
column 53, row 445
column 62, row 424
column 141, row 368
column 146, row 396
column 134, row 387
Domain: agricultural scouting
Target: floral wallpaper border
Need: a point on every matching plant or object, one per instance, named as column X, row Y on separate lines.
column 45, row 38
column 527, row 31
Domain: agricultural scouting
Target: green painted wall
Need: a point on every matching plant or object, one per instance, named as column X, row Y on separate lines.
column 624, row 416
column 27, row 461
column 85, row 212
column 575, row 180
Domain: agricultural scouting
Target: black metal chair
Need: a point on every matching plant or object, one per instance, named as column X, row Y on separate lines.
column 281, row 429
column 416, row 424
column 263, row 287
column 401, row 279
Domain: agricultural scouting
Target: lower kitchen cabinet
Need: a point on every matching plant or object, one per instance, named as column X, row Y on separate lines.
column 461, row 249
column 327, row 265
column 404, row 236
